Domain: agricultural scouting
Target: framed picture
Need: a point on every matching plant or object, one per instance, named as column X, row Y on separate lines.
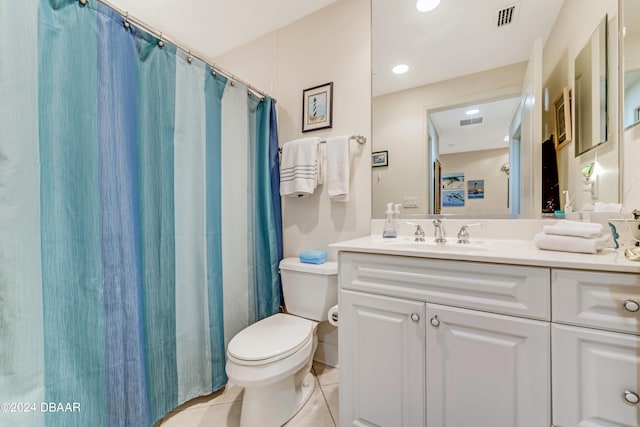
column 453, row 197
column 562, row 118
column 437, row 187
column 317, row 107
column 475, row 188
column 379, row 158
column 453, row 181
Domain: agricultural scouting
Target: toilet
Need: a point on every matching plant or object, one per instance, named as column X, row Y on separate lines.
column 272, row 358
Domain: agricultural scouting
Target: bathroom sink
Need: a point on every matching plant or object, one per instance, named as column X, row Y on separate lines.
column 451, row 245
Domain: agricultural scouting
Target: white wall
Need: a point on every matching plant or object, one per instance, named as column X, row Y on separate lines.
column 331, row 45
column 399, row 126
column 484, row 165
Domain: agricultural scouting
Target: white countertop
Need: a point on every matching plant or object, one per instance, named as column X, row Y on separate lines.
column 497, row 251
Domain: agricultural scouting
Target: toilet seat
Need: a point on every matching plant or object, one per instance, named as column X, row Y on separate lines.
column 270, row 339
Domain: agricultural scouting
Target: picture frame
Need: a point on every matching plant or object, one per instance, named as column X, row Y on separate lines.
column 379, row 158
column 475, row 189
column 562, row 119
column 317, row 107
column 437, row 187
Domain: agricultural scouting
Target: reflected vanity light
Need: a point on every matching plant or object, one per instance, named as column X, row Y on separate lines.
column 427, row 5
column 400, row 69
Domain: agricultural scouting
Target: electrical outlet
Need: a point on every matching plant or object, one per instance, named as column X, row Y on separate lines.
column 410, row 202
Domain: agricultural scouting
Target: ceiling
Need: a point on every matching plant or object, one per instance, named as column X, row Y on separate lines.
column 459, row 37
column 213, row 27
column 496, row 118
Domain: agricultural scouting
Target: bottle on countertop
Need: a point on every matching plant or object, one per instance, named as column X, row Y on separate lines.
column 389, row 226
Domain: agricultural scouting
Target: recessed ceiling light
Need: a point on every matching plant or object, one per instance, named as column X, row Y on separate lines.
column 472, row 112
column 400, row 69
column 427, row 5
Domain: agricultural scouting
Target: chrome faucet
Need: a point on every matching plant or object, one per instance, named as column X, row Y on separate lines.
column 439, row 233
column 419, row 234
column 463, row 234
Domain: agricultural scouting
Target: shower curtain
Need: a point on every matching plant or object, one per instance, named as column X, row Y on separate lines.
column 139, row 219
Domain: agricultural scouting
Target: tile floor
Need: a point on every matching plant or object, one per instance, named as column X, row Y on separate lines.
column 222, row 409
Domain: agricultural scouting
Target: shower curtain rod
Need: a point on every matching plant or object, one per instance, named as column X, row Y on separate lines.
column 164, row 38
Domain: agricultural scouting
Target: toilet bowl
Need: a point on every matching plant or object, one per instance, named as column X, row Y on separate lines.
column 272, row 358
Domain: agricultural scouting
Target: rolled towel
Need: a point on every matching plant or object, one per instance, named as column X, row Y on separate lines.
column 553, row 242
column 574, row 228
column 311, row 256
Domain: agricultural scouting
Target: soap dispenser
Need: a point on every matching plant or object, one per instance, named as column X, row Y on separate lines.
column 396, row 216
column 389, row 226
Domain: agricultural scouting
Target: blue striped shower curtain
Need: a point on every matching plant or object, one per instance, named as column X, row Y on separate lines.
column 139, row 219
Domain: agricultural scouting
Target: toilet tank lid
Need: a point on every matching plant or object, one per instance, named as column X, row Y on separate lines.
column 294, row 264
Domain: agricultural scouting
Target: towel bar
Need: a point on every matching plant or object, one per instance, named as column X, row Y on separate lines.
column 360, row 139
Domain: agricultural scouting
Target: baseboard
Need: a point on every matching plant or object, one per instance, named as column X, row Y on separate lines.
column 327, row 354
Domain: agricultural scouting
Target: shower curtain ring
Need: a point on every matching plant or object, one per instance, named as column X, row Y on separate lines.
column 160, row 42
column 189, row 59
column 126, row 21
column 83, row 2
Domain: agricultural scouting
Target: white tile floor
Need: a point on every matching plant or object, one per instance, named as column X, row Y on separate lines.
column 222, row 409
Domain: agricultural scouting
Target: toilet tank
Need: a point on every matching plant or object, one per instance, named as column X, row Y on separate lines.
column 309, row 290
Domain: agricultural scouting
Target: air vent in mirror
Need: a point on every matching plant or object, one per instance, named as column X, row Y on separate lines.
column 474, row 121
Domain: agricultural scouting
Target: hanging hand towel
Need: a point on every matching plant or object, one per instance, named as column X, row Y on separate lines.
column 555, row 242
column 299, row 167
column 574, row 228
column 338, row 168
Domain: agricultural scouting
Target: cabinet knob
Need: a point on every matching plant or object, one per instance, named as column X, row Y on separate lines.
column 415, row 317
column 435, row 321
column 631, row 397
column 631, row 305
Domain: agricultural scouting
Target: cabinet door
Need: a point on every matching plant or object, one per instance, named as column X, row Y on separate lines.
column 592, row 373
column 486, row 369
column 382, row 360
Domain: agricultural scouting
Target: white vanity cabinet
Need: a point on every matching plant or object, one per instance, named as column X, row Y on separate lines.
column 384, row 360
column 486, row 369
column 596, row 348
column 443, row 343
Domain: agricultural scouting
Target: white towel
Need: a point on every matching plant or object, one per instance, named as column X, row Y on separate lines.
column 554, row 242
column 299, row 167
column 574, row 228
column 338, row 168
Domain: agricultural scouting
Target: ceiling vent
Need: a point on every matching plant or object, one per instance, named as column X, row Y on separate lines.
column 506, row 15
column 474, row 121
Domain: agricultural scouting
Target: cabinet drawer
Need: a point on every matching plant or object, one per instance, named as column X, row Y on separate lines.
column 596, row 299
column 594, row 373
column 506, row 289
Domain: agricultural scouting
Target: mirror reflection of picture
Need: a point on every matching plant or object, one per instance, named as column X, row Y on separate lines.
column 562, row 107
column 475, row 188
column 453, row 189
column 379, row 158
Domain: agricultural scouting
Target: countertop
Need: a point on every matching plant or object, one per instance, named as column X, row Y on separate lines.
column 497, row 251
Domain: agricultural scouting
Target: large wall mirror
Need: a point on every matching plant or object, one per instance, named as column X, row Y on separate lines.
column 590, row 89
column 631, row 69
column 463, row 55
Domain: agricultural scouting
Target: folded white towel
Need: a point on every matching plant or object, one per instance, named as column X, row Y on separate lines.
column 299, row 167
column 554, row 242
column 338, row 168
column 574, row 228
